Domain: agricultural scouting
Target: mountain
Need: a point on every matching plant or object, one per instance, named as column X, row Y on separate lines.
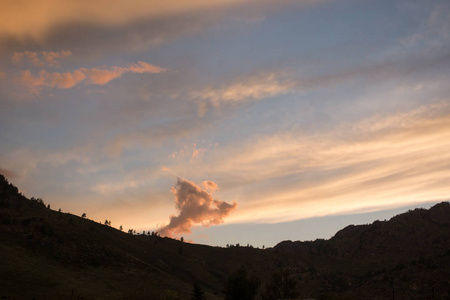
column 48, row 254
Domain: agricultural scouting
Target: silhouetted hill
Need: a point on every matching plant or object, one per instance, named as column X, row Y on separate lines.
column 46, row 254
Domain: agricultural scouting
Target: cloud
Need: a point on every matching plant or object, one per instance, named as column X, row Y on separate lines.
column 36, row 19
column 97, row 76
column 52, row 79
column 105, row 75
column 267, row 84
column 52, row 57
column 126, row 26
column 210, row 186
column 40, row 59
column 380, row 162
column 195, row 206
column 254, row 87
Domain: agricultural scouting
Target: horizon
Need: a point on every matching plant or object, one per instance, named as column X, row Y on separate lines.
column 238, row 119
column 271, row 232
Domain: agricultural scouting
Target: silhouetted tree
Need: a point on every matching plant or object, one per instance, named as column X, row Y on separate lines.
column 280, row 286
column 182, row 239
column 197, row 293
column 240, row 286
column 83, row 215
column 120, row 228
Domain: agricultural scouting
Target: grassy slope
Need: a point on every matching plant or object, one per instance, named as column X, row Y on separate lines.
column 48, row 254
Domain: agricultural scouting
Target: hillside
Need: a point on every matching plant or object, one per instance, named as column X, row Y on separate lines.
column 46, row 254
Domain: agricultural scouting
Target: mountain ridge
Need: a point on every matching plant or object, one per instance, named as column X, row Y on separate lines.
column 60, row 255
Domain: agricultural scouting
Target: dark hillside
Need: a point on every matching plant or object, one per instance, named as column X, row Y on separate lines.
column 408, row 255
column 46, row 254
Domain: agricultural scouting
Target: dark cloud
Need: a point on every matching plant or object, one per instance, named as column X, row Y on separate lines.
column 195, row 206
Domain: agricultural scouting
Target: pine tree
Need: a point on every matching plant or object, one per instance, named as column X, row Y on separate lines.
column 197, row 293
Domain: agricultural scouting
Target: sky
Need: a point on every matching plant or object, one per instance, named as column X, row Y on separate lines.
column 227, row 121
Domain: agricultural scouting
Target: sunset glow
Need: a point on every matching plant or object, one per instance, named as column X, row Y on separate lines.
column 186, row 116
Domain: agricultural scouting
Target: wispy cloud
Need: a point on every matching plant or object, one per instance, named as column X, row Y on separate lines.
column 388, row 160
column 96, row 76
column 37, row 19
column 40, row 59
column 246, row 89
column 130, row 25
column 195, row 207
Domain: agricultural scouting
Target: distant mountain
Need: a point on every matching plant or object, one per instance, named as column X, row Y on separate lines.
column 46, row 254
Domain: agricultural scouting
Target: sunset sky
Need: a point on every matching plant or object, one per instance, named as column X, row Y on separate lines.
column 227, row 121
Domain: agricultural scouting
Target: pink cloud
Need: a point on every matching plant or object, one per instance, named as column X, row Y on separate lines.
column 195, row 206
column 54, row 79
column 39, row 59
column 29, row 56
column 102, row 76
column 52, row 57
column 210, row 186
column 97, row 76
column 105, row 75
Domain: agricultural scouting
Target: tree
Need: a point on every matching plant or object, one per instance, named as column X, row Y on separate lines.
column 197, row 293
column 240, row 286
column 120, row 228
column 83, row 215
column 182, row 239
column 280, row 286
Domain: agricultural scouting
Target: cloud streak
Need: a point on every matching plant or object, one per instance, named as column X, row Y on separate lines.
column 377, row 163
column 196, row 207
column 95, row 76
column 36, row 19
column 40, row 59
column 247, row 89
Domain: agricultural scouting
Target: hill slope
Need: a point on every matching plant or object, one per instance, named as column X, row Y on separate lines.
column 45, row 254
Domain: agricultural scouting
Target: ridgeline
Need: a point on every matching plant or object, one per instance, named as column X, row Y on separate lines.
column 48, row 254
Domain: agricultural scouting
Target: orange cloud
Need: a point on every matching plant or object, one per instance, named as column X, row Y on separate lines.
column 52, row 57
column 94, row 75
column 210, row 186
column 39, row 59
column 36, row 19
column 29, row 56
column 105, row 75
column 54, row 79
column 195, row 206
column 378, row 163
